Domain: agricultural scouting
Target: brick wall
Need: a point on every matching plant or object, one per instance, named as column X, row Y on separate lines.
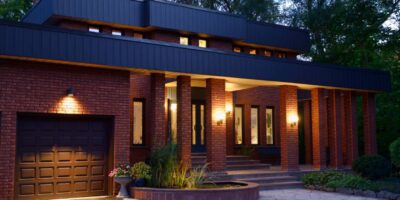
column 184, row 119
column 319, row 127
column 369, row 112
column 335, row 129
column 230, row 140
column 350, row 106
column 307, row 131
column 39, row 88
column 215, row 133
column 289, row 133
column 158, row 121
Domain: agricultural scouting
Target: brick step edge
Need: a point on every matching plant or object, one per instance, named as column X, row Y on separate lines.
column 282, row 185
column 358, row 192
column 271, row 179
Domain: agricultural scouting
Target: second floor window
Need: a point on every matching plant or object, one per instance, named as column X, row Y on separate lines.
column 202, row 43
column 281, row 55
column 184, row 40
column 138, row 35
column 116, row 32
column 94, row 29
column 253, row 51
column 267, row 53
column 237, row 49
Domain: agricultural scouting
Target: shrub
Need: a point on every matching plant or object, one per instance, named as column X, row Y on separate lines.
column 351, row 181
column 321, row 178
column 141, row 170
column 372, row 167
column 394, row 149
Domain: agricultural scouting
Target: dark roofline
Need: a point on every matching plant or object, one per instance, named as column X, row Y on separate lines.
column 174, row 16
column 198, row 60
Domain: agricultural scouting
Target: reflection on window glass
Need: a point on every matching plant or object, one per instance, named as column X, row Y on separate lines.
column 238, row 125
column 137, row 122
column 184, row 40
column 173, row 114
column 269, row 125
column 254, row 125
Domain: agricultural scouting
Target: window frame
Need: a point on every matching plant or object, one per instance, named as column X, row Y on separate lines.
column 258, row 124
column 143, row 101
column 273, row 125
column 234, row 128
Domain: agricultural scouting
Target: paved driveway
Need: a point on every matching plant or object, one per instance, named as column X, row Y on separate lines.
column 303, row 194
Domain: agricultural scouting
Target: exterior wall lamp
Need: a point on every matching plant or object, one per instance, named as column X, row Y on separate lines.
column 228, row 108
column 293, row 119
column 70, row 92
column 173, row 107
column 220, row 116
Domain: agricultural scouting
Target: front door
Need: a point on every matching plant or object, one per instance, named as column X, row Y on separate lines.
column 198, row 127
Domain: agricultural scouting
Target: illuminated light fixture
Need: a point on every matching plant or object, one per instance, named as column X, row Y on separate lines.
column 70, row 92
column 173, row 107
column 293, row 119
column 228, row 108
column 220, row 116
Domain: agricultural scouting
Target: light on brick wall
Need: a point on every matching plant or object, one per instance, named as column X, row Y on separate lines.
column 173, row 107
column 228, row 108
column 219, row 116
column 293, row 119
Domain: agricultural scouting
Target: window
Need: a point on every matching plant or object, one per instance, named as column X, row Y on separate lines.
column 138, row 122
column 253, row 51
column 116, row 32
column 267, row 53
column 138, row 35
column 281, row 55
column 94, row 29
column 184, row 40
column 254, row 125
column 238, row 124
column 237, row 49
column 269, row 125
column 173, row 107
column 202, row 43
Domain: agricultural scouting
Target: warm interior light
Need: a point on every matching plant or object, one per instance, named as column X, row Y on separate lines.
column 228, row 108
column 293, row 119
column 220, row 116
column 202, row 43
column 184, row 40
column 173, row 107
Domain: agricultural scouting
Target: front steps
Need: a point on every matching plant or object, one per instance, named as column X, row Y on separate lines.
column 269, row 180
column 234, row 162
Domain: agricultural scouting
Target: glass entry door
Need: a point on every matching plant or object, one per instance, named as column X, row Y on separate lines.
column 198, row 127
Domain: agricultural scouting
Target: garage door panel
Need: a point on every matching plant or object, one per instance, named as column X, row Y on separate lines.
column 61, row 157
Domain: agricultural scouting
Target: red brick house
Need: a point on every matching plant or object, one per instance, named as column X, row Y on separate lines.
column 85, row 85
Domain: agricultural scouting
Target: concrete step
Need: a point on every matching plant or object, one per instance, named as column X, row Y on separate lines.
column 276, row 179
column 228, row 162
column 248, row 166
column 281, row 185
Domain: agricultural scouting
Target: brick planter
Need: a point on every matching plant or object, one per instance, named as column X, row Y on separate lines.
column 249, row 191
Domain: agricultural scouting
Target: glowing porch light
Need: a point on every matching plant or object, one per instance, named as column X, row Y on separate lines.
column 293, row 119
column 173, row 107
column 220, row 116
column 228, row 108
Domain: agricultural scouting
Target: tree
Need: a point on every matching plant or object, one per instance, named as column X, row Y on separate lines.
column 14, row 10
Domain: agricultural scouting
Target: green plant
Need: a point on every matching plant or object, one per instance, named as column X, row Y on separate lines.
column 197, row 177
column 394, row 149
column 321, row 178
column 120, row 171
column 372, row 167
column 163, row 162
column 351, row 181
column 141, row 170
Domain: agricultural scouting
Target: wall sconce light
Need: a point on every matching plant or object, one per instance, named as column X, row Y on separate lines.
column 228, row 108
column 220, row 117
column 293, row 119
column 70, row 92
column 173, row 107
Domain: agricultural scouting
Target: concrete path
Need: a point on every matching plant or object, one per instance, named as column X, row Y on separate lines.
column 304, row 194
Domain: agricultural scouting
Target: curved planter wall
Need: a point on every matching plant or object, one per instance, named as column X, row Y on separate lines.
column 246, row 192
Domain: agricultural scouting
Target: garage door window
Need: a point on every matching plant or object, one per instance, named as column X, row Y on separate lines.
column 138, row 116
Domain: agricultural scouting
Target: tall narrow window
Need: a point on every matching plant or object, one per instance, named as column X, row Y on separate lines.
column 173, row 120
column 202, row 43
column 138, row 122
column 94, row 29
column 238, row 124
column 254, row 125
column 184, row 40
column 269, row 125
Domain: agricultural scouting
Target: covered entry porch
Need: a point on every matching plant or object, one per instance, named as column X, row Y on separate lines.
column 219, row 115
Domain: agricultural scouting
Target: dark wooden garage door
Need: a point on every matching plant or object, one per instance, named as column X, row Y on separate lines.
column 60, row 157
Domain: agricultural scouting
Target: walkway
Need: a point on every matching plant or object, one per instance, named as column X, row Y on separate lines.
column 303, row 194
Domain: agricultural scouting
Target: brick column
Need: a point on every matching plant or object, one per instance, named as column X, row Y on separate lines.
column 157, row 117
column 319, row 127
column 369, row 112
column 289, row 133
column 351, row 126
column 344, row 128
column 184, row 119
column 307, row 131
column 229, row 124
column 8, row 145
column 335, row 129
column 215, row 133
